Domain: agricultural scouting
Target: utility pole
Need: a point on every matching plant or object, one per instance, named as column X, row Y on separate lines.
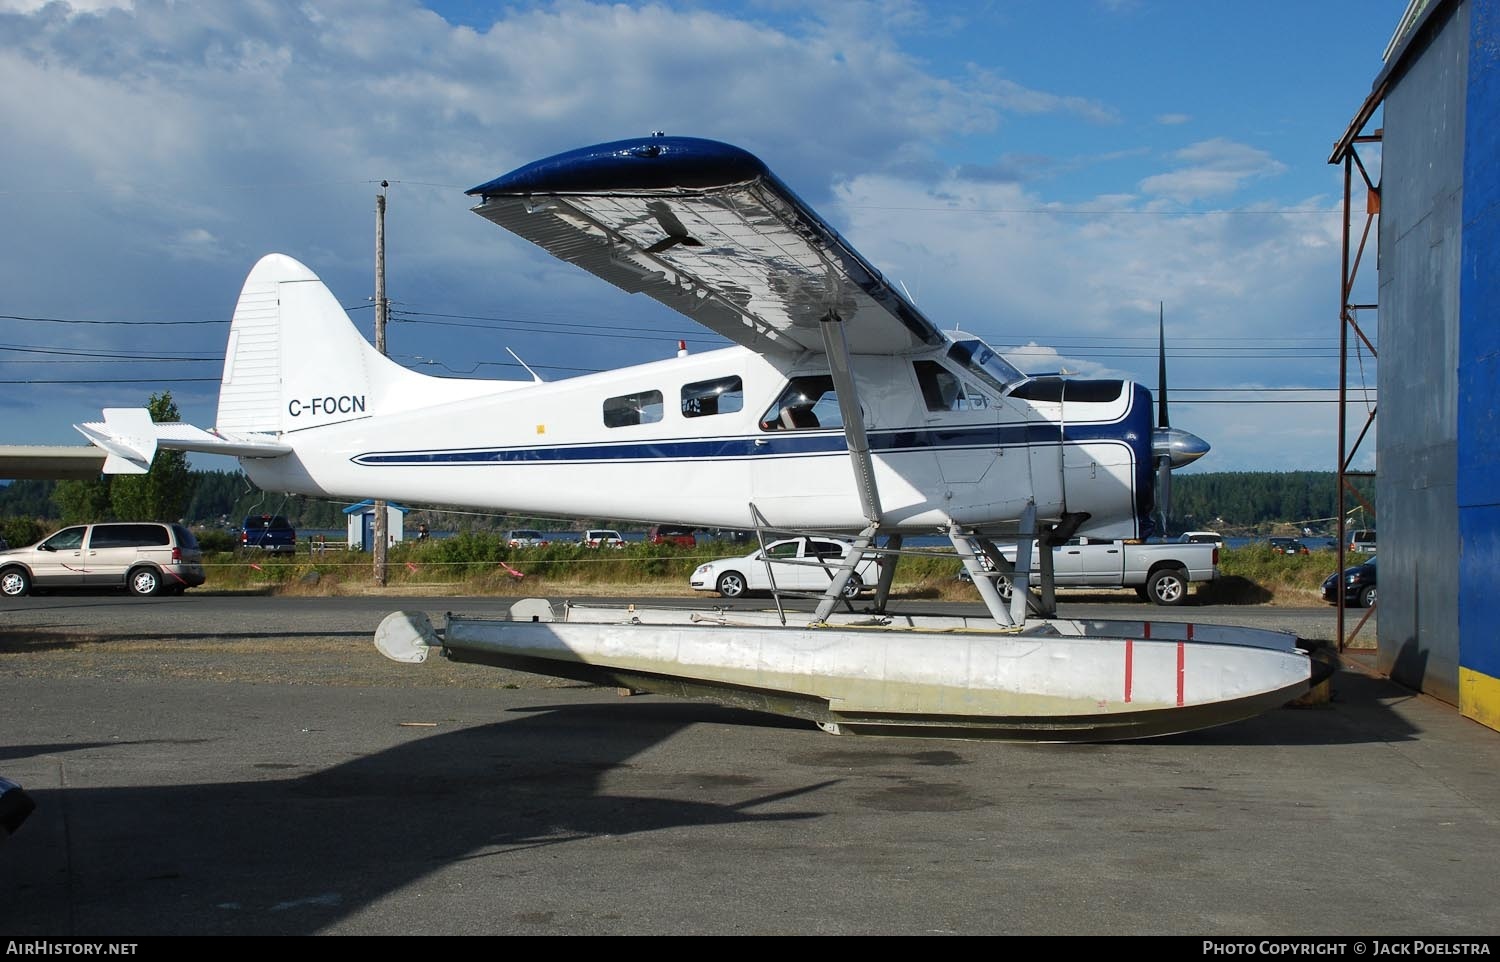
column 380, row 312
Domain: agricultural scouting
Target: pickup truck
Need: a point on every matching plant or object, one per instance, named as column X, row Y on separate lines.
column 268, row 532
column 1158, row 572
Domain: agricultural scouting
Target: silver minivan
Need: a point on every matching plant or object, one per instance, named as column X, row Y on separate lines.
column 145, row 557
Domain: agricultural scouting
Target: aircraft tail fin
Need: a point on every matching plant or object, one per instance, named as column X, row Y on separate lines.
column 295, row 361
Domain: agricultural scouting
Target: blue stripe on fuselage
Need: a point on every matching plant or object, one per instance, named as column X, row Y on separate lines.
column 770, row 445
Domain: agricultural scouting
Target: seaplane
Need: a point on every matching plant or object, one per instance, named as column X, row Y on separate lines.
column 839, row 408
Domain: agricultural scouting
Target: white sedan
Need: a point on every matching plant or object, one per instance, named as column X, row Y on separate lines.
column 796, row 564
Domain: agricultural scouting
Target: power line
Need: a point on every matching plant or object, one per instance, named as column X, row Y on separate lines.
column 117, row 380
column 75, row 320
column 107, row 355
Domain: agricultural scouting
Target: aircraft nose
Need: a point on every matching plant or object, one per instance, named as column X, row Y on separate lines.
column 1179, row 446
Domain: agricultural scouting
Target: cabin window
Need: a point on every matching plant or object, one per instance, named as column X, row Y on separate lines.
column 724, row 395
column 945, row 391
column 643, row 407
column 807, row 402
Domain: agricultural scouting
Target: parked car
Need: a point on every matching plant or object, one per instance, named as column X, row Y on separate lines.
column 1362, row 541
column 1288, row 546
column 1359, row 586
column 1162, row 573
column 145, row 557
column 796, row 564
column 525, row 538
column 602, row 538
column 672, row 534
column 15, row 806
column 268, row 532
column 1202, row 537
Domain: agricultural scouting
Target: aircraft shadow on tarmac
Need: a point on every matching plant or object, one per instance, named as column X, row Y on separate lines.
column 295, row 855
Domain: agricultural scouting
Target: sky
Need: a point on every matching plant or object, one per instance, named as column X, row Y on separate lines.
column 1047, row 175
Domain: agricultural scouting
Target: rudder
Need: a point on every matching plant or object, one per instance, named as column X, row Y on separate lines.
column 294, row 360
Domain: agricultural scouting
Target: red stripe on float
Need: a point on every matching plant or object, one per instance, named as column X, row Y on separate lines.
column 1181, row 670
column 1129, row 666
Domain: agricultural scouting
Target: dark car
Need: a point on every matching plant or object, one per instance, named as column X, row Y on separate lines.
column 1359, row 586
column 525, row 538
column 1288, row 546
column 672, row 534
column 268, row 532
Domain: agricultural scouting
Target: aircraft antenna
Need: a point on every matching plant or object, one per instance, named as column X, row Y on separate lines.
column 535, row 377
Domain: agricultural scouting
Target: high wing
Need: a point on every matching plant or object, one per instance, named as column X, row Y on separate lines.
column 706, row 229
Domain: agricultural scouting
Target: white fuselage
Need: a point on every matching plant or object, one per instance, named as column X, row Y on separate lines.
column 653, row 443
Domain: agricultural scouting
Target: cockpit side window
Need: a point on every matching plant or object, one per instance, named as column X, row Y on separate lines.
column 942, row 390
column 807, row 402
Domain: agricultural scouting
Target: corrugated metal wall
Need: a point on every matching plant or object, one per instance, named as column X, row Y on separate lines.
column 1421, row 230
column 1479, row 376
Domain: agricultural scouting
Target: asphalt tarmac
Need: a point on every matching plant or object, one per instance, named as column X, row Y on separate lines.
column 207, row 804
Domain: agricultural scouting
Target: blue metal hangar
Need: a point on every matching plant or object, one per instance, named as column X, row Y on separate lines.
column 1438, row 448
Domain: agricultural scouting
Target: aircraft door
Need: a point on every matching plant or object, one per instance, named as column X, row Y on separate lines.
column 961, row 426
column 801, row 470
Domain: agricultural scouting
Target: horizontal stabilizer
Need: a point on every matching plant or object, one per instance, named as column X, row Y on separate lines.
column 130, row 438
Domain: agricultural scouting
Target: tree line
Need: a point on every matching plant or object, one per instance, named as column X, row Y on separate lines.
column 1231, row 501
column 1252, row 501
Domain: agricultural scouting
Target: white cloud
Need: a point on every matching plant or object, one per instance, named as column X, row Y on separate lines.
column 1212, row 168
column 1079, row 286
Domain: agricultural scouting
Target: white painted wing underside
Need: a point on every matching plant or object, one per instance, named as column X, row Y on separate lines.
column 736, row 259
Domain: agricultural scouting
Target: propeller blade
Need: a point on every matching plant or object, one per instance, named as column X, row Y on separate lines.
column 1163, row 492
column 1161, row 367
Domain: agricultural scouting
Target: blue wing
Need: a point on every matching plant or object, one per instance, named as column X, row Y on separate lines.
column 706, row 229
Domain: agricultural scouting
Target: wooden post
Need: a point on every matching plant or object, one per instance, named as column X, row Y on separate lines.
column 380, row 311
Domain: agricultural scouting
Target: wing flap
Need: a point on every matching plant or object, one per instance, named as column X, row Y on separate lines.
column 707, row 230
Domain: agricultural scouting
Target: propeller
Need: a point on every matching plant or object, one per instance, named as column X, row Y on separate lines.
column 1170, row 447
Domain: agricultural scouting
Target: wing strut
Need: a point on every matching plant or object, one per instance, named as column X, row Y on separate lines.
column 836, row 347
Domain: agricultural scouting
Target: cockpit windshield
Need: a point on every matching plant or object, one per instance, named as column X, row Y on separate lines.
column 985, row 364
